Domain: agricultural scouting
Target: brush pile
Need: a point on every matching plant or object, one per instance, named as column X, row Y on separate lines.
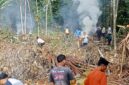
column 124, row 49
column 120, row 69
column 24, row 60
column 27, row 62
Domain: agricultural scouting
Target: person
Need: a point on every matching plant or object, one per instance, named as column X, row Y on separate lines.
column 103, row 32
column 109, row 31
column 77, row 34
column 99, row 33
column 85, row 39
column 98, row 75
column 61, row 75
column 40, row 42
column 67, row 32
column 109, row 38
column 5, row 80
column 109, row 35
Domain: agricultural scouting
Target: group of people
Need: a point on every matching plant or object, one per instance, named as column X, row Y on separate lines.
column 62, row 75
column 105, row 33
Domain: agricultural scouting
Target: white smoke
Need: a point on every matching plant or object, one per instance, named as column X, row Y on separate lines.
column 89, row 12
column 68, row 11
column 12, row 17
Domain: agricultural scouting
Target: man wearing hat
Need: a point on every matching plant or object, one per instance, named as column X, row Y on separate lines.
column 5, row 80
column 98, row 75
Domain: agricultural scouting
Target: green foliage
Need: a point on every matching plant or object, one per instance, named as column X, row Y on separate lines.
column 106, row 17
column 56, row 5
column 123, row 12
column 4, row 3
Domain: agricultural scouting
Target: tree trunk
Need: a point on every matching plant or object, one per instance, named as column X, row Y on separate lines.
column 115, row 8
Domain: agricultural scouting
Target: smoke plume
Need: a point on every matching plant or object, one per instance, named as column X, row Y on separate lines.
column 89, row 12
column 81, row 14
column 68, row 11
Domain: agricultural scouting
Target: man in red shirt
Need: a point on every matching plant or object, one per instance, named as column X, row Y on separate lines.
column 98, row 76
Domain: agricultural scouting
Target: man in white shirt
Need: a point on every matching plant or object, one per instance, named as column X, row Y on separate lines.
column 103, row 31
column 67, row 33
column 5, row 80
column 85, row 39
column 109, row 31
column 40, row 42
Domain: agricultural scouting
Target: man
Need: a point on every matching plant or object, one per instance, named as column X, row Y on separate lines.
column 61, row 75
column 67, row 32
column 98, row 75
column 77, row 34
column 85, row 39
column 109, row 35
column 99, row 33
column 109, row 38
column 5, row 80
column 103, row 32
column 40, row 42
column 109, row 31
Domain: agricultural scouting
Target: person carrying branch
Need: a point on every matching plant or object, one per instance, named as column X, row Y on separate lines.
column 98, row 75
column 61, row 75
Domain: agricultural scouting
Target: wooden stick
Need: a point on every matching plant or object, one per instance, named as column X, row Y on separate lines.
column 100, row 53
column 123, row 54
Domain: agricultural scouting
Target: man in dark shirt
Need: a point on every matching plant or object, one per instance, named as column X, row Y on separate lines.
column 61, row 75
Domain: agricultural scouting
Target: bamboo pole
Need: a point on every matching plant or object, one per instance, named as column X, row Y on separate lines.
column 122, row 60
column 21, row 16
column 25, row 19
column 37, row 16
column 115, row 9
column 51, row 13
column 46, row 17
column 114, row 23
column 30, row 30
